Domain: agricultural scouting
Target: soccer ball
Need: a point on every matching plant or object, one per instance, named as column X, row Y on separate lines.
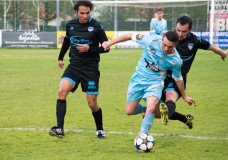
column 144, row 142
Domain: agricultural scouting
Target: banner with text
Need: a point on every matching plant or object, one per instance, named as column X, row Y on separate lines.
column 29, row 39
column 220, row 15
column 220, row 38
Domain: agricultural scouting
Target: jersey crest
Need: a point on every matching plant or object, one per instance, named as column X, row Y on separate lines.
column 152, row 50
column 190, row 46
column 90, row 29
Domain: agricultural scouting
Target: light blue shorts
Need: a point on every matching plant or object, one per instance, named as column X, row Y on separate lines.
column 140, row 88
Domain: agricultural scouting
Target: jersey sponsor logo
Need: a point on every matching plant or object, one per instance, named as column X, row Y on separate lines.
column 75, row 40
column 152, row 50
column 139, row 36
column 71, row 28
column 91, row 85
column 90, row 29
column 153, row 66
column 190, row 46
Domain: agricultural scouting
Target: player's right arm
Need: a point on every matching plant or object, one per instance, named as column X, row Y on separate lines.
column 219, row 51
column 65, row 47
column 122, row 38
column 136, row 37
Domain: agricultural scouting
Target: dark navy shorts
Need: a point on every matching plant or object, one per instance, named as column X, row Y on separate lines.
column 169, row 84
column 88, row 76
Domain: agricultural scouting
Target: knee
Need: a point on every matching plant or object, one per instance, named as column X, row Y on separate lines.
column 129, row 111
column 170, row 103
column 151, row 109
column 62, row 93
column 91, row 104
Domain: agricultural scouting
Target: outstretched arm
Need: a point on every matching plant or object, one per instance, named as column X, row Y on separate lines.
column 180, row 85
column 122, row 38
column 219, row 51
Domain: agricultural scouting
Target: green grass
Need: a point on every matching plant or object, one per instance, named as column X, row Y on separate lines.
column 28, row 90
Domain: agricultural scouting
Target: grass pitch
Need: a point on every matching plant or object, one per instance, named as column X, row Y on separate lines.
column 28, row 90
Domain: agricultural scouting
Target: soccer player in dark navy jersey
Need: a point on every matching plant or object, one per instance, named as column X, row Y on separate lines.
column 187, row 48
column 83, row 36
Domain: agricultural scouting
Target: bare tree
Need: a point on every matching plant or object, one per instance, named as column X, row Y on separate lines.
column 36, row 4
column 6, row 9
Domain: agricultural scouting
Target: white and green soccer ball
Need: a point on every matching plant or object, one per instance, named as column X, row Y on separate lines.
column 144, row 142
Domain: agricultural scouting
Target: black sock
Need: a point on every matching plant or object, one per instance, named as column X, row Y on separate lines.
column 178, row 116
column 171, row 107
column 60, row 112
column 98, row 119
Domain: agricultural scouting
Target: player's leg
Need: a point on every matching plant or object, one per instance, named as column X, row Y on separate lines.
column 170, row 101
column 97, row 114
column 90, row 84
column 171, row 98
column 147, row 122
column 132, row 107
column 66, row 85
column 134, row 95
column 140, row 109
column 152, row 98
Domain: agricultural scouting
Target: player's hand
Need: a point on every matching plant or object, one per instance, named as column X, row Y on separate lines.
column 106, row 45
column 82, row 47
column 60, row 64
column 223, row 57
column 190, row 101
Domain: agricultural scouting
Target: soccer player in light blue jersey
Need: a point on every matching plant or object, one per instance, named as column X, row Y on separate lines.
column 159, row 55
column 158, row 24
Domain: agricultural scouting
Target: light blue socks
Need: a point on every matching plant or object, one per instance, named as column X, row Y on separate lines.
column 147, row 123
column 140, row 108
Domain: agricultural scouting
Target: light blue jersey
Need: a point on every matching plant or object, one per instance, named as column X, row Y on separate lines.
column 148, row 79
column 158, row 26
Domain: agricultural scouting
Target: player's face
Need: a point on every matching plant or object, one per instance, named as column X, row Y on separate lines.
column 159, row 15
column 168, row 46
column 182, row 31
column 83, row 14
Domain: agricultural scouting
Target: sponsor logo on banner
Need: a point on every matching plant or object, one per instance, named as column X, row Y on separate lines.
column 28, row 39
column 27, row 36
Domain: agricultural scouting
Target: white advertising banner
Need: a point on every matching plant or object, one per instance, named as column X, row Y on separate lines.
column 28, row 39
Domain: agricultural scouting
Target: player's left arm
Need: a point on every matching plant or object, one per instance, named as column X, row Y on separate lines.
column 102, row 37
column 152, row 26
column 204, row 44
column 176, row 74
column 180, row 85
column 217, row 50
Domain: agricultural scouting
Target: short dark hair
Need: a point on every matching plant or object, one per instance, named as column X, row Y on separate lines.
column 159, row 10
column 171, row 36
column 183, row 20
column 83, row 3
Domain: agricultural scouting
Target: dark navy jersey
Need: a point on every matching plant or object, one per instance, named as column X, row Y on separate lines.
column 187, row 49
column 91, row 33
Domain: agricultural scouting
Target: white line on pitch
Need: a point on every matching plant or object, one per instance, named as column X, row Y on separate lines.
column 114, row 132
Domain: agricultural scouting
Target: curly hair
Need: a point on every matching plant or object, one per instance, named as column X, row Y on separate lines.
column 83, row 3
